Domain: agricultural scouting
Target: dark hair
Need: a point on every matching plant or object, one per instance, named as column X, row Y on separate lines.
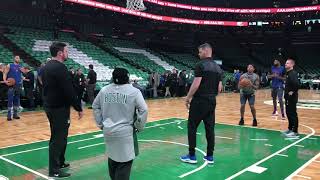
column 205, row 45
column 251, row 65
column 56, row 47
column 90, row 66
column 120, row 76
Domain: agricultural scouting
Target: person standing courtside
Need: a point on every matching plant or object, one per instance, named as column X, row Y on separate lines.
column 115, row 109
column 277, row 76
column 291, row 98
column 248, row 94
column 28, row 85
column 58, row 96
column 14, row 71
column 91, row 87
column 79, row 84
column 3, row 89
column 201, row 102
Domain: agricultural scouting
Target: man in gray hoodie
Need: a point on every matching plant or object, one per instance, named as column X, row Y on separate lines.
column 120, row 111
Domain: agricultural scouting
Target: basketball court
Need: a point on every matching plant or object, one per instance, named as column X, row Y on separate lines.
column 242, row 152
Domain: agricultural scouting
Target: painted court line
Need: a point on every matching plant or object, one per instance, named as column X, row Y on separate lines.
column 222, row 137
column 24, row 167
column 3, row 177
column 268, row 145
column 180, row 127
column 313, row 138
column 297, row 145
column 44, row 176
column 79, row 134
column 259, row 139
column 284, row 155
column 305, row 177
column 190, row 172
column 257, row 169
column 83, row 147
column 274, row 154
column 72, row 142
column 157, row 125
column 302, row 167
column 45, row 147
column 292, row 138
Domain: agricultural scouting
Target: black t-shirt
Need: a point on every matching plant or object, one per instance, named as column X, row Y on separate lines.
column 292, row 82
column 79, row 82
column 211, row 74
column 1, row 79
column 58, row 90
column 92, row 76
column 30, row 83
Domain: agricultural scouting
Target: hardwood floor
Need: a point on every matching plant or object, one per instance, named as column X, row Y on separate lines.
column 34, row 126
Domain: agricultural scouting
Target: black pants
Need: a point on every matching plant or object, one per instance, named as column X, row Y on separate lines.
column 3, row 97
column 90, row 91
column 291, row 110
column 29, row 95
column 119, row 170
column 80, row 95
column 59, row 119
column 181, row 91
column 202, row 108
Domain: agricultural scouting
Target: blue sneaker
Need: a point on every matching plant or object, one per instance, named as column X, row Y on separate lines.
column 209, row 159
column 189, row 159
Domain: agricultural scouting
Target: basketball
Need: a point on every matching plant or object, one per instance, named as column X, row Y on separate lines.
column 11, row 82
column 245, row 82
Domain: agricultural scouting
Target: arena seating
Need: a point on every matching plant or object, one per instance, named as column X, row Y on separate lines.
column 81, row 54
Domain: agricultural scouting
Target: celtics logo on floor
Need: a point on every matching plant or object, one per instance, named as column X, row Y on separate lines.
column 303, row 104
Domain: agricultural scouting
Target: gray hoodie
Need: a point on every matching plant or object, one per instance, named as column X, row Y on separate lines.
column 114, row 109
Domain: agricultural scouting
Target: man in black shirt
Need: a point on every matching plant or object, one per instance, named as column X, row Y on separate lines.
column 173, row 79
column 291, row 98
column 201, row 102
column 91, row 87
column 58, row 96
column 3, row 89
column 79, row 84
column 28, row 85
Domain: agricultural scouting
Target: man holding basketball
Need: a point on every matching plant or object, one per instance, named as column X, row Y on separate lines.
column 248, row 84
column 201, row 102
column 13, row 78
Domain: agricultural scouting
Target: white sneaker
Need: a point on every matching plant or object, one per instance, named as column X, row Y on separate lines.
column 286, row 132
column 292, row 135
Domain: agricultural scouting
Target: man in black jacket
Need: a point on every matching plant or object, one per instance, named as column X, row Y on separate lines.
column 3, row 89
column 58, row 96
column 79, row 84
column 91, row 87
column 28, row 85
column 291, row 98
